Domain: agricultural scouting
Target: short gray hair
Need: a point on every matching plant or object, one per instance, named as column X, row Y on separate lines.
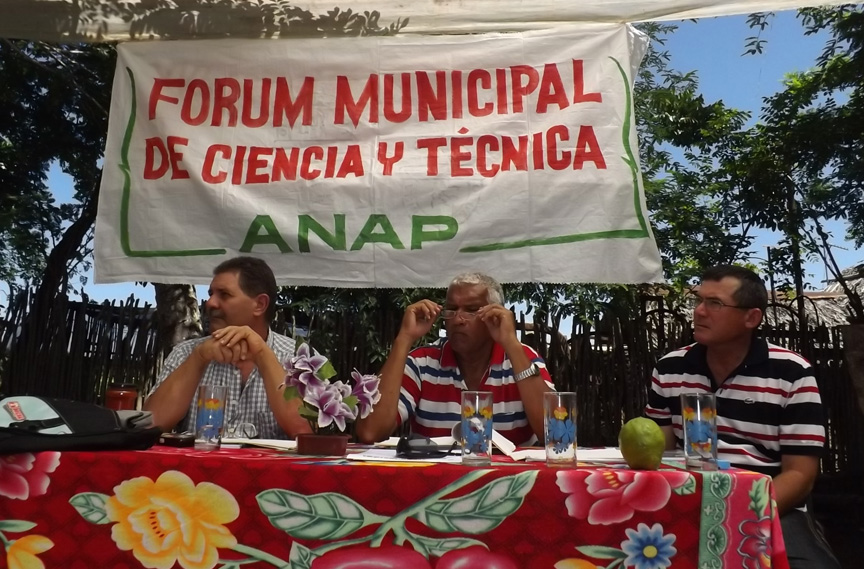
column 494, row 292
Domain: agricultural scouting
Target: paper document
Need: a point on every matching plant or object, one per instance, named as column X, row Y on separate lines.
column 278, row 444
column 608, row 454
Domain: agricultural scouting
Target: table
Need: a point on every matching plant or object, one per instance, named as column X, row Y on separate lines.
column 255, row 508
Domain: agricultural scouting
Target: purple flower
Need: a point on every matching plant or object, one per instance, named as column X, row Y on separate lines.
column 327, row 405
column 366, row 391
column 343, row 388
column 331, row 408
column 302, row 370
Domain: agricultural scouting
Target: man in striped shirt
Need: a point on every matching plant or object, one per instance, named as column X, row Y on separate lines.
column 769, row 413
column 481, row 353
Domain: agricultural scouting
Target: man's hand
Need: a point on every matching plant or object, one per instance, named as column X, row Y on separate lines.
column 500, row 322
column 242, row 342
column 795, row 481
column 419, row 319
column 210, row 350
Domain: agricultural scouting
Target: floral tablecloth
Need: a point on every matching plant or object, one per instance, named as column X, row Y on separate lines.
column 249, row 508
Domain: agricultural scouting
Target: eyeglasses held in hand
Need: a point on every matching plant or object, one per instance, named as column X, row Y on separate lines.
column 421, row 447
column 448, row 314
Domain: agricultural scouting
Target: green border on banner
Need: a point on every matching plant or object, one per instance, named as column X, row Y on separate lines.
column 124, row 201
column 640, row 233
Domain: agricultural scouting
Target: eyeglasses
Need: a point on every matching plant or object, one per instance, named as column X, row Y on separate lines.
column 237, row 429
column 713, row 304
column 448, row 314
column 414, row 447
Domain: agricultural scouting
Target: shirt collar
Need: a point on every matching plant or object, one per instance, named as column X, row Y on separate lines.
column 448, row 357
column 271, row 338
column 697, row 355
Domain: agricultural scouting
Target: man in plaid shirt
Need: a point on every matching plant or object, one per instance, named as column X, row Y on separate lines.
column 242, row 353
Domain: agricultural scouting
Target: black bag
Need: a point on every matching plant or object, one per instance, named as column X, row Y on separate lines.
column 33, row 424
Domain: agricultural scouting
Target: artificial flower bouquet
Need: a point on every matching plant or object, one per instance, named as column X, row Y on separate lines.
column 328, row 406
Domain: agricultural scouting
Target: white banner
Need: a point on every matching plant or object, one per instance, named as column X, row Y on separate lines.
column 386, row 162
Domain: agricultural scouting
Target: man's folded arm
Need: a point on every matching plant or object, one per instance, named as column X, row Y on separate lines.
column 286, row 412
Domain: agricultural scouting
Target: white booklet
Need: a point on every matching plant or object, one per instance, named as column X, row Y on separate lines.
column 278, row 444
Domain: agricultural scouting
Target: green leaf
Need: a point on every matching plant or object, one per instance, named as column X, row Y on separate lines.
column 601, row 552
column 91, row 506
column 308, row 412
column 16, row 526
column 759, row 496
column 323, row 516
column 481, row 510
column 300, row 557
column 439, row 547
column 351, row 401
column 326, row 371
column 290, row 392
column 687, row 488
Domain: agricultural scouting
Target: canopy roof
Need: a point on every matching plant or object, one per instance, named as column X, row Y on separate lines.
column 122, row 20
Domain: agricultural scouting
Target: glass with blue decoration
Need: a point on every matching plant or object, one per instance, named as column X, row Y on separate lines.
column 476, row 432
column 211, row 416
column 559, row 423
column 699, row 415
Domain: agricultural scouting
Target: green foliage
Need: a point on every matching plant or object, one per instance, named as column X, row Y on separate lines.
column 54, row 101
column 804, row 162
column 680, row 137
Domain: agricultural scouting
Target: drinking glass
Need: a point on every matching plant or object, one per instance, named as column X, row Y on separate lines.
column 476, row 428
column 699, row 414
column 559, row 427
column 210, row 419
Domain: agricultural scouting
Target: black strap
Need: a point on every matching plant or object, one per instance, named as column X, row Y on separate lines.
column 37, row 424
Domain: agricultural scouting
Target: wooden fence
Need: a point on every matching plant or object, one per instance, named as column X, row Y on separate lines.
column 606, row 359
column 82, row 349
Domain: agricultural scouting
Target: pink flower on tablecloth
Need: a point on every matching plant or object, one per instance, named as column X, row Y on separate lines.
column 755, row 547
column 611, row 496
column 26, row 474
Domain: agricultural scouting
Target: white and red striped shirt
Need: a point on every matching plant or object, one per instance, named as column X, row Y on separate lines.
column 432, row 388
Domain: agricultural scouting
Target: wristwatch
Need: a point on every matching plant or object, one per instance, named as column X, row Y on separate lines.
column 531, row 371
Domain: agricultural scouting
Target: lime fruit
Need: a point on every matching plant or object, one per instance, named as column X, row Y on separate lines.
column 642, row 443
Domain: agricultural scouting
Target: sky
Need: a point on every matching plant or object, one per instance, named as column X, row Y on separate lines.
column 713, row 47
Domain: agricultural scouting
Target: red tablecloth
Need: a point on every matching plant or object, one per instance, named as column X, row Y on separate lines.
column 247, row 508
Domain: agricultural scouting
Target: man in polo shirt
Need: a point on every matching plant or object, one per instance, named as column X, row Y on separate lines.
column 242, row 353
column 481, row 353
column 769, row 413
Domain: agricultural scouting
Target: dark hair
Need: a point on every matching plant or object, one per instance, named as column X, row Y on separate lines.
column 254, row 277
column 751, row 292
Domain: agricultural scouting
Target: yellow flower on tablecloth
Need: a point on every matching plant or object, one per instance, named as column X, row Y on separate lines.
column 171, row 520
column 22, row 553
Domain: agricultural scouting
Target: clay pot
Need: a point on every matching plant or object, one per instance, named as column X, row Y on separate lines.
column 322, row 445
